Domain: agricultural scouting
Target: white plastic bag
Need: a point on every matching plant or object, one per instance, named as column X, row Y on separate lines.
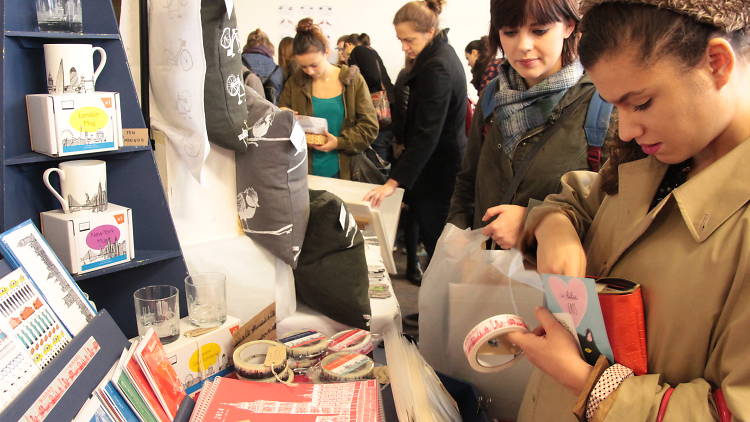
column 463, row 285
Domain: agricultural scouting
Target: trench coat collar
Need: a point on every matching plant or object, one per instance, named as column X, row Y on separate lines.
column 705, row 201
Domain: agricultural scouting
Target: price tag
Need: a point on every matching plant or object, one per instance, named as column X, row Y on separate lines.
column 137, row 137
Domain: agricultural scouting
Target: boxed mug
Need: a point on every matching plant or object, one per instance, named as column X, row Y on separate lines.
column 69, row 124
column 202, row 353
column 88, row 241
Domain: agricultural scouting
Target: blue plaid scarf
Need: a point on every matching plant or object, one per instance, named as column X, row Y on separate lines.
column 520, row 109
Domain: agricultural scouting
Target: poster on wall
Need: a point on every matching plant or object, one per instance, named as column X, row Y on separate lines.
column 322, row 15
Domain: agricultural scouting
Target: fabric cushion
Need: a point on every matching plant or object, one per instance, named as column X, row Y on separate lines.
column 331, row 276
column 224, row 89
column 272, row 199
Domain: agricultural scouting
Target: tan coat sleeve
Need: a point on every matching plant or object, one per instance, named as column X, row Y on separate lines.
column 579, row 200
column 356, row 138
column 638, row 398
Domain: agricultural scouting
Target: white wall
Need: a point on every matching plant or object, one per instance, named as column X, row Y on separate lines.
column 467, row 19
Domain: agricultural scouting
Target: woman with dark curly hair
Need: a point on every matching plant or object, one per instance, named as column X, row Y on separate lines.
column 670, row 211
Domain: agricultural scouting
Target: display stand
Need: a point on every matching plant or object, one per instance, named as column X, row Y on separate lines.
column 132, row 176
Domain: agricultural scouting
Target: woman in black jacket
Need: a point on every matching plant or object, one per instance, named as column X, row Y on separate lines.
column 435, row 117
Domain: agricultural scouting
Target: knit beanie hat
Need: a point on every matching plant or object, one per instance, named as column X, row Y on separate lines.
column 727, row 15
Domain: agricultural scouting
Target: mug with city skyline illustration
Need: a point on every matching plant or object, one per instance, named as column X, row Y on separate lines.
column 83, row 184
column 70, row 67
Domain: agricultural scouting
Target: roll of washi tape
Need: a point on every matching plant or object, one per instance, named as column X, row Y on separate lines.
column 344, row 366
column 352, row 341
column 486, row 346
column 305, row 344
column 300, row 366
column 286, row 375
column 260, row 359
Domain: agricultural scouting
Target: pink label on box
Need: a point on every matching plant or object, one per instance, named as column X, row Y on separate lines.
column 102, row 236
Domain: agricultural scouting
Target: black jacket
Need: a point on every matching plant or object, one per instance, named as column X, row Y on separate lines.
column 369, row 63
column 434, row 127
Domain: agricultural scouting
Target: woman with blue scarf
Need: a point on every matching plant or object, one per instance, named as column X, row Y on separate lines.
column 528, row 128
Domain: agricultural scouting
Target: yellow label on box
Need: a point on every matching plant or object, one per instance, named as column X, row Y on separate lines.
column 88, row 119
column 205, row 357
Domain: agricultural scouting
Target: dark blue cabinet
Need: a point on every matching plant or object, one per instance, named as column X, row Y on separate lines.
column 132, row 176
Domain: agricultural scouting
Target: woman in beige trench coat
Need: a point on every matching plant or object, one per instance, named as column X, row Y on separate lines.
column 671, row 211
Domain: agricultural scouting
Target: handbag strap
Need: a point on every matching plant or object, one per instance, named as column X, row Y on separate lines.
column 725, row 415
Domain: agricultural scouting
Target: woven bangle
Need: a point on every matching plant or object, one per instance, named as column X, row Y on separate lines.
column 605, row 385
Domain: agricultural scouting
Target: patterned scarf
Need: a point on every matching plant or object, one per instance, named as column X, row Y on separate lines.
column 520, row 109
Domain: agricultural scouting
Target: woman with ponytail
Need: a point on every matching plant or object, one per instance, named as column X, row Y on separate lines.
column 338, row 94
column 484, row 67
column 434, row 123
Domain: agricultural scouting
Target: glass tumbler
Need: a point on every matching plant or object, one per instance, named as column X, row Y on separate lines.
column 206, row 299
column 59, row 15
column 158, row 307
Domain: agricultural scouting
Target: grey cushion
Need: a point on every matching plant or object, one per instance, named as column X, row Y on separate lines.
column 224, row 89
column 272, row 200
column 331, row 276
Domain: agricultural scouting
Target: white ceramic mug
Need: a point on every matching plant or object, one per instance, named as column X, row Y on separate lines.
column 83, row 184
column 70, row 67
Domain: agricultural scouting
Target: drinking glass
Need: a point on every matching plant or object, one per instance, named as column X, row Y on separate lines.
column 206, row 299
column 59, row 15
column 158, row 307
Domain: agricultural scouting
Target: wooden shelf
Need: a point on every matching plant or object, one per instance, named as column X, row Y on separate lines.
column 60, row 35
column 33, row 157
column 142, row 257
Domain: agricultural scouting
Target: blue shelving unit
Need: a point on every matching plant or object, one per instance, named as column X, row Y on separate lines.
column 132, row 176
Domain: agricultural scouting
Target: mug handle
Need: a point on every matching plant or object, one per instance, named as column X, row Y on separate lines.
column 102, row 62
column 45, row 179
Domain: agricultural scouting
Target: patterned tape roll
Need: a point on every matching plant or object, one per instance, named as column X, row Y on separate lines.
column 260, row 359
column 486, row 346
column 345, row 366
column 286, row 375
column 305, row 344
column 300, row 366
column 352, row 341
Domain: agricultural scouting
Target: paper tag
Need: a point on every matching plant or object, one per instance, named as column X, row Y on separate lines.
column 275, row 356
column 230, row 7
column 136, row 137
column 298, row 137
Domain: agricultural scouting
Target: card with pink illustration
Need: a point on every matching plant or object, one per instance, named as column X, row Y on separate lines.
column 578, row 297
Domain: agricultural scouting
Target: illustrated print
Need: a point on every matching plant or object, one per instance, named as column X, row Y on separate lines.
column 588, row 347
column 184, row 104
column 96, row 202
column 301, row 162
column 191, row 145
column 175, row 8
column 245, row 135
column 278, row 232
column 236, row 88
column 181, row 57
column 260, row 128
column 247, row 203
column 230, row 37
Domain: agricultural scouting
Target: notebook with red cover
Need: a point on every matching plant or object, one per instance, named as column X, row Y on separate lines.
column 231, row 400
column 139, row 381
column 159, row 372
column 622, row 309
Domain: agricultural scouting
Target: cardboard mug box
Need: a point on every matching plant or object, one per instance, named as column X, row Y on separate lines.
column 88, row 241
column 71, row 124
column 202, row 357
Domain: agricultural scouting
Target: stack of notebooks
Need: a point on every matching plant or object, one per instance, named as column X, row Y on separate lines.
column 141, row 386
column 230, row 400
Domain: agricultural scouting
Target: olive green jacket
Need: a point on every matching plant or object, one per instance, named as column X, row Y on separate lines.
column 360, row 125
column 690, row 254
column 487, row 172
